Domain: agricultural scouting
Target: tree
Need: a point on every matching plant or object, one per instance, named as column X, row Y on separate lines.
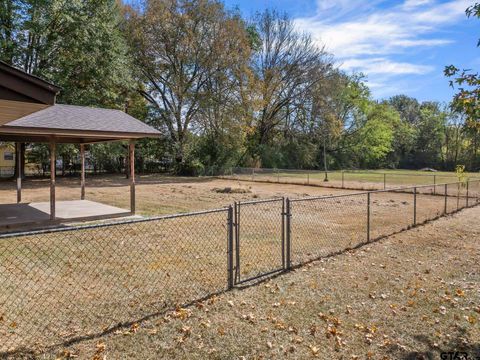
column 76, row 44
column 468, row 83
column 9, row 22
column 407, row 107
column 405, row 131
column 430, row 135
column 181, row 46
column 225, row 105
column 375, row 139
column 286, row 65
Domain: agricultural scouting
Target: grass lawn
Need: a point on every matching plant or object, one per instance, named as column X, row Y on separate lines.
column 361, row 179
column 410, row 296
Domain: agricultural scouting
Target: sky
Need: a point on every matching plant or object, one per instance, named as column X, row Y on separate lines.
column 401, row 46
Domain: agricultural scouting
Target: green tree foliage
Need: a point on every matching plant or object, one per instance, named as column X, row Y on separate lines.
column 407, row 107
column 10, row 20
column 430, row 135
column 467, row 99
column 76, row 44
column 375, row 139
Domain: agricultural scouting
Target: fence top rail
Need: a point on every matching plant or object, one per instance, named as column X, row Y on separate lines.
column 111, row 224
column 353, row 171
column 397, row 189
column 261, row 201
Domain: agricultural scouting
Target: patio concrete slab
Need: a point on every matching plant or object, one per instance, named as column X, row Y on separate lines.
column 14, row 215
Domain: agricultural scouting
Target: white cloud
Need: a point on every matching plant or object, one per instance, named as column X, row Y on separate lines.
column 410, row 4
column 368, row 35
column 384, row 31
column 375, row 66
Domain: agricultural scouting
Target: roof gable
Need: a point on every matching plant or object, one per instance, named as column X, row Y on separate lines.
column 17, row 85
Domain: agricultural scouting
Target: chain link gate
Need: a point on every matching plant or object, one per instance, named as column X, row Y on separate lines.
column 259, row 239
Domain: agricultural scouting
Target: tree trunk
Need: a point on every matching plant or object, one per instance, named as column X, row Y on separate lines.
column 179, row 156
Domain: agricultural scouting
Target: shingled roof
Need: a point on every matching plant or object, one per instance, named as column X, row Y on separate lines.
column 89, row 124
column 71, row 117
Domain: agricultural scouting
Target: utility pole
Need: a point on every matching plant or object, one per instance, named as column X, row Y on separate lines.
column 325, row 157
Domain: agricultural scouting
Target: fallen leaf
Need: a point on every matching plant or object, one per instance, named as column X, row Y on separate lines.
column 314, row 350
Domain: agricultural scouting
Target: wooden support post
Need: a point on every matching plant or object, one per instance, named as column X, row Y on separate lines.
column 18, row 158
column 53, row 166
column 131, row 156
column 82, row 175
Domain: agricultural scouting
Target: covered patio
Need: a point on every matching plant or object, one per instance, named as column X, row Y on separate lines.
column 29, row 114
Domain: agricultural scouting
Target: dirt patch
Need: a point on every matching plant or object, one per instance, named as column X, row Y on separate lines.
column 230, row 190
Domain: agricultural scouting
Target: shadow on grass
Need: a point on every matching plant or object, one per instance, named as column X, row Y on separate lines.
column 30, row 353
column 458, row 348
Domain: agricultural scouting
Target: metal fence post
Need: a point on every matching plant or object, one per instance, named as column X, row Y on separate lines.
column 253, row 174
column 237, row 241
column 368, row 217
column 230, row 247
column 308, row 178
column 384, row 181
column 414, row 206
column 288, row 248
column 458, row 195
column 434, row 184
column 468, row 182
column 283, row 233
column 278, row 176
column 343, row 179
column 445, row 206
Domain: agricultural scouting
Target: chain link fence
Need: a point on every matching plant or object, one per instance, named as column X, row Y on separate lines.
column 260, row 238
column 322, row 226
column 59, row 285
column 64, row 284
column 345, row 179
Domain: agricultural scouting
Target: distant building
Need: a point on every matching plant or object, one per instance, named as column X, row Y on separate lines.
column 7, row 160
